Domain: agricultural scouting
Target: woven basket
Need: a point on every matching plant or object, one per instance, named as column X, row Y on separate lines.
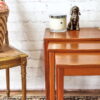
column 3, row 28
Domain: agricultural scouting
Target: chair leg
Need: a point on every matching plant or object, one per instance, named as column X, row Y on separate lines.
column 60, row 83
column 23, row 75
column 8, row 82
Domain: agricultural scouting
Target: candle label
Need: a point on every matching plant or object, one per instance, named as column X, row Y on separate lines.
column 58, row 24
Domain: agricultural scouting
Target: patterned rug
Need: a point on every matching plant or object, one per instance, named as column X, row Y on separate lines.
column 43, row 98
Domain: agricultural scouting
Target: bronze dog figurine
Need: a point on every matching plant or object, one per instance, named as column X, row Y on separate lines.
column 74, row 20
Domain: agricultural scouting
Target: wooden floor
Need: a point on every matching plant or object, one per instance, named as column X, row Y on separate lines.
column 36, row 95
column 67, row 93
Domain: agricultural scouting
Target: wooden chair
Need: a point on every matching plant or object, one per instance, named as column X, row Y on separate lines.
column 12, row 57
column 74, row 64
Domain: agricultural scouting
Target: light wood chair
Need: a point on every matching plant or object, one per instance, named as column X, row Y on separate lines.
column 74, row 64
column 12, row 57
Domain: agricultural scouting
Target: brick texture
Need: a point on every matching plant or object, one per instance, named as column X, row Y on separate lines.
column 27, row 22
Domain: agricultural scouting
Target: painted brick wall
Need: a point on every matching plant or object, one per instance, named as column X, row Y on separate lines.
column 27, row 22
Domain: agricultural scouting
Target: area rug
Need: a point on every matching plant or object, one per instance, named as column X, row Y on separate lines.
column 43, row 98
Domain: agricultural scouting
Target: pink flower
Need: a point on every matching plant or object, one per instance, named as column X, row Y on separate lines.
column 3, row 6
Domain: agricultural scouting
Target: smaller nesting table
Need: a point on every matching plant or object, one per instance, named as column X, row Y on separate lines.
column 71, row 54
column 75, row 64
column 12, row 57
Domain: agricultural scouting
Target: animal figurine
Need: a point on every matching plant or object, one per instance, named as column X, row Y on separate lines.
column 74, row 20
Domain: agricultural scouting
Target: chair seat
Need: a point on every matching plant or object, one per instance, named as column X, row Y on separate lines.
column 10, row 53
column 77, row 59
column 11, row 57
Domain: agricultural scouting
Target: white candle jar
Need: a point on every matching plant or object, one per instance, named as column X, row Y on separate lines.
column 57, row 23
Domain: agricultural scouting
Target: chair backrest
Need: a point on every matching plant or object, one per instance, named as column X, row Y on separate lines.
column 4, row 11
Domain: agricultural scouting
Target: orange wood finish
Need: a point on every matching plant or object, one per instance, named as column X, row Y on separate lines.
column 74, row 65
column 76, row 47
column 87, row 34
column 87, row 40
column 12, row 57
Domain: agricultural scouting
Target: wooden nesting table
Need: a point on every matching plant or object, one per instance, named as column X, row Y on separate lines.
column 12, row 57
column 87, row 40
column 71, row 54
column 77, row 64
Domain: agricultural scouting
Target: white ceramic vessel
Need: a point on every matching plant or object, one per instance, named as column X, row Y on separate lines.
column 57, row 23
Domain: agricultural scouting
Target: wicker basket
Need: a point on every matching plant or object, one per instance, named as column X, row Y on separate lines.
column 3, row 27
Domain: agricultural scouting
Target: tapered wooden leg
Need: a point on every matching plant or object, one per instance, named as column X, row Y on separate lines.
column 52, row 76
column 60, row 84
column 8, row 82
column 23, row 75
column 46, row 61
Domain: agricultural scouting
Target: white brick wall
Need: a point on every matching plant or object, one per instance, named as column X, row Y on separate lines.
column 27, row 22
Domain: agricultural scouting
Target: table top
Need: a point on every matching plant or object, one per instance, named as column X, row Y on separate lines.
column 10, row 53
column 77, row 59
column 75, row 52
column 84, row 33
column 74, row 47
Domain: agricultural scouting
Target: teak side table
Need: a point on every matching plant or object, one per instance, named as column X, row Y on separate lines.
column 12, row 57
column 75, row 65
column 91, row 35
column 67, row 49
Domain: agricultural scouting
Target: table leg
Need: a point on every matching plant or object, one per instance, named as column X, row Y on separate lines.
column 52, row 76
column 23, row 75
column 47, row 87
column 8, row 82
column 60, row 83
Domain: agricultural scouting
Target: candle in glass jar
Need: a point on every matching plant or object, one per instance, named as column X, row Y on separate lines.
column 57, row 23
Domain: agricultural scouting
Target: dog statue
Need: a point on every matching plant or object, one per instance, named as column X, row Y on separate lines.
column 74, row 20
